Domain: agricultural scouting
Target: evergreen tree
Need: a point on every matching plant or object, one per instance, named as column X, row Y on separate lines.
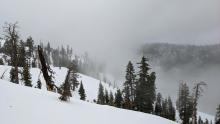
column 66, row 92
column 129, row 86
column 63, row 57
column 217, row 116
column 12, row 75
column 82, row 92
column 158, row 106
column 56, row 57
column 200, row 120
column 73, row 75
column 111, row 99
column 118, row 99
column 165, row 108
column 30, row 45
column 152, row 90
column 206, row 121
column 171, row 110
column 1, row 61
column 34, row 62
column 101, row 96
column 26, row 75
column 7, row 48
column 48, row 48
column 47, row 57
column 39, row 84
column 145, row 91
column 184, row 105
column 21, row 55
column 106, row 97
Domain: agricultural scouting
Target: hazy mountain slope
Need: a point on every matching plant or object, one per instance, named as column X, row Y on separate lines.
column 171, row 56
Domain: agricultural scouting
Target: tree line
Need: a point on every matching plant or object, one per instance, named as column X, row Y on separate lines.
column 22, row 55
column 139, row 94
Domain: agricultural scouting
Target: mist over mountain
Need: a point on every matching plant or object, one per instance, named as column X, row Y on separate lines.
column 170, row 56
column 176, row 63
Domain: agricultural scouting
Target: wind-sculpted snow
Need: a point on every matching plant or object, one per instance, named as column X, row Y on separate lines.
column 24, row 105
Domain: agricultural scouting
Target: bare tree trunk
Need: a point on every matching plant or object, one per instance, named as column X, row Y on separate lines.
column 198, row 91
column 194, row 114
column 44, row 70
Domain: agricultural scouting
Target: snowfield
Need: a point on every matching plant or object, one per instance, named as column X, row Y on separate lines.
column 90, row 84
column 24, row 105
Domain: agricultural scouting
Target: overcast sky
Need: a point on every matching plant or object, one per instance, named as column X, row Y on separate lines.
column 113, row 29
column 86, row 24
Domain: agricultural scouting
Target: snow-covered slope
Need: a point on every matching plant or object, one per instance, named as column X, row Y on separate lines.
column 90, row 84
column 24, row 105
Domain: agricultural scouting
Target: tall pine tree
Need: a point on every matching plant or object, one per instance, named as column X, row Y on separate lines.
column 171, row 110
column 184, row 103
column 200, row 121
column 217, row 116
column 106, row 97
column 129, row 87
column 158, row 105
column 12, row 75
column 165, row 108
column 73, row 75
column 111, row 99
column 66, row 92
column 26, row 75
column 82, row 92
column 21, row 54
column 30, row 45
column 118, row 99
column 145, row 91
column 101, row 96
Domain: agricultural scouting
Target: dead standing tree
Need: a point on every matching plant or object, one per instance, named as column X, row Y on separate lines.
column 45, row 69
column 11, row 34
column 198, row 92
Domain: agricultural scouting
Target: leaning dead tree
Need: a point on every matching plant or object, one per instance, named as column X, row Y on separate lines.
column 198, row 90
column 45, row 69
